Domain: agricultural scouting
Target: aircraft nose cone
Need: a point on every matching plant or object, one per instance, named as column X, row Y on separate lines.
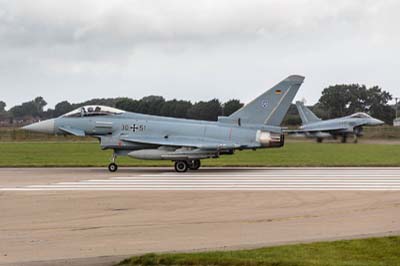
column 378, row 122
column 46, row 126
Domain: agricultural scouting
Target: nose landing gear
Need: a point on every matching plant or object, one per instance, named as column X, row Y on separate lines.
column 113, row 167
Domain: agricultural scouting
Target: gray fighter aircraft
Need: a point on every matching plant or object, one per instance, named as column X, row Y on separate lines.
column 314, row 127
column 186, row 142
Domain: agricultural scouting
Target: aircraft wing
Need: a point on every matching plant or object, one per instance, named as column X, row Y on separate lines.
column 294, row 132
column 203, row 144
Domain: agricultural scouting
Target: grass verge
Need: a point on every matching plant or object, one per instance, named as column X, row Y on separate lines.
column 83, row 154
column 363, row 252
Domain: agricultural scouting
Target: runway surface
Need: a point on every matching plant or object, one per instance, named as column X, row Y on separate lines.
column 87, row 216
column 241, row 180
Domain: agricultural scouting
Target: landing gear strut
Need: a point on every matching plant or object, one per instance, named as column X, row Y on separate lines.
column 344, row 139
column 113, row 167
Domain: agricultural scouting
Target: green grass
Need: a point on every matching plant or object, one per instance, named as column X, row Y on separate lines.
column 31, row 154
column 10, row 134
column 365, row 252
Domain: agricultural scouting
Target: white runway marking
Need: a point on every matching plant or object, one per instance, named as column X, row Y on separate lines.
column 326, row 180
column 268, row 175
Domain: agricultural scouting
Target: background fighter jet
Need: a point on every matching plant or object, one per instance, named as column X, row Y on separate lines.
column 314, row 127
column 186, row 142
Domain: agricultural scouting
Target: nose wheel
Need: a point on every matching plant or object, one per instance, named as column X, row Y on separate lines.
column 113, row 167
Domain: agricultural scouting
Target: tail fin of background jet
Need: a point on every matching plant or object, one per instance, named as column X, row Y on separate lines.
column 271, row 107
column 306, row 115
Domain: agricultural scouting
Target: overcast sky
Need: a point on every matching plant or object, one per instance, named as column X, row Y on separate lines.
column 194, row 50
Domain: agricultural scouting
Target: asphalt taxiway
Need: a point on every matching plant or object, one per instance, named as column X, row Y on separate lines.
column 78, row 216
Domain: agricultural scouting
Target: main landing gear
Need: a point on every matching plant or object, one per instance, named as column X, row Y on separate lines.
column 195, row 165
column 113, row 167
column 184, row 166
column 180, row 166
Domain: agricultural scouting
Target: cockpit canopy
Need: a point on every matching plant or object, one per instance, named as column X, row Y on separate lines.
column 93, row 110
column 360, row 115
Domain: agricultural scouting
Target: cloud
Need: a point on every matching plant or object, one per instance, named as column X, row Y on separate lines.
column 58, row 40
column 128, row 23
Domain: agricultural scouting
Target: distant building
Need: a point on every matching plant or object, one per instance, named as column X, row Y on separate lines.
column 396, row 122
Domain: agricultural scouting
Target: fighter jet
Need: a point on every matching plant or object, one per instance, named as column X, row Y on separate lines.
column 314, row 127
column 183, row 141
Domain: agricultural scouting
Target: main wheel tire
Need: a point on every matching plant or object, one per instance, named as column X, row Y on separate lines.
column 195, row 165
column 320, row 140
column 112, row 167
column 181, row 166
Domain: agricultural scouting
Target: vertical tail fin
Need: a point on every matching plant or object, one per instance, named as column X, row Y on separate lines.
column 271, row 107
column 306, row 115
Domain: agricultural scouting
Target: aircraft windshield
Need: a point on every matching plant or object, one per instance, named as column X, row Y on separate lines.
column 360, row 115
column 93, row 110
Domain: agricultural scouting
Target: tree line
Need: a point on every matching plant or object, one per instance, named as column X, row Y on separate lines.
column 153, row 105
column 335, row 101
column 342, row 100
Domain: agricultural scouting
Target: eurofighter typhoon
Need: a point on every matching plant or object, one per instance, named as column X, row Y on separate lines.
column 314, row 127
column 183, row 141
